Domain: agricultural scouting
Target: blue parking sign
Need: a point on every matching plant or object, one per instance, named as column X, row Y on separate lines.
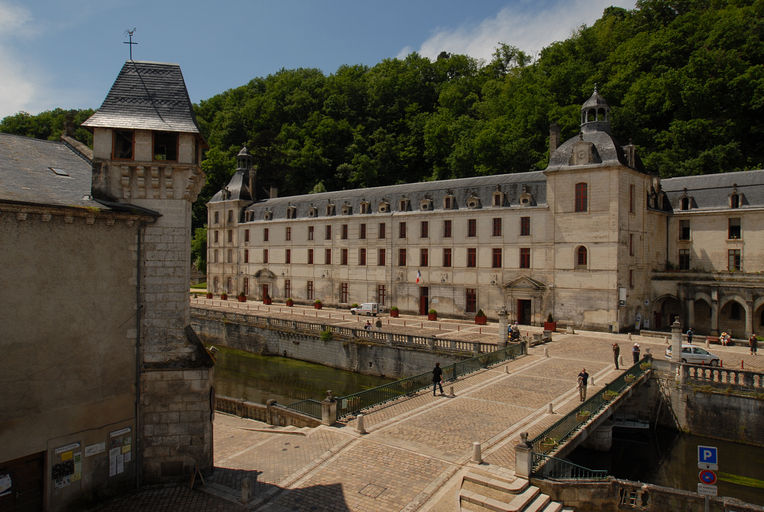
column 707, row 455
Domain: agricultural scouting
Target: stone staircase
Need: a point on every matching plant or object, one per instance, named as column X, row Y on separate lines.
column 497, row 489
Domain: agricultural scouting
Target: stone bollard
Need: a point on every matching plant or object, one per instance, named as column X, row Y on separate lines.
column 629, row 338
column 551, row 408
column 546, row 352
column 360, row 428
column 506, row 369
column 328, row 409
column 477, row 457
column 523, row 460
column 245, row 490
column 620, row 361
column 591, row 379
column 451, row 392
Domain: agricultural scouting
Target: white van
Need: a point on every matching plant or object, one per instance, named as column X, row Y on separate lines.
column 367, row 308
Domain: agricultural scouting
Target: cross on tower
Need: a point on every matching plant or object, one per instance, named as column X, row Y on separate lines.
column 131, row 43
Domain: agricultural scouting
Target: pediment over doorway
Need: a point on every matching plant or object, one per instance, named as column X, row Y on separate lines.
column 264, row 273
column 525, row 283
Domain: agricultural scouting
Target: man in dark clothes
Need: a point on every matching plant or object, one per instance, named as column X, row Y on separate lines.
column 437, row 378
column 635, row 353
column 616, row 353
column 583, row 379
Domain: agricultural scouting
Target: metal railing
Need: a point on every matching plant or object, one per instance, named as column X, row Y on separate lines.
column 561, row 469
column 308, row 407
column 356, row 402
column 556, row 435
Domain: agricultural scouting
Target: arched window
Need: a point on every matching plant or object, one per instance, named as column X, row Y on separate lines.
column 734, row 201
column 581, row 257
column 685, row 203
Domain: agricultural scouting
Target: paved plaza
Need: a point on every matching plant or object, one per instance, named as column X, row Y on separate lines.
column 416, row 449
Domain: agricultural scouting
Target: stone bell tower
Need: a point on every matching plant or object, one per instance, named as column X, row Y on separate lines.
column 147, row 149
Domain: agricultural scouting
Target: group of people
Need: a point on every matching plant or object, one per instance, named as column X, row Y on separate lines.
column 513, row 332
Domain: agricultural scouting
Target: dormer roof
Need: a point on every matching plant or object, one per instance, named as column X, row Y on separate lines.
column 147, row 96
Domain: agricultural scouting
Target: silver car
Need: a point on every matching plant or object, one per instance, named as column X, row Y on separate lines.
column 695, row 355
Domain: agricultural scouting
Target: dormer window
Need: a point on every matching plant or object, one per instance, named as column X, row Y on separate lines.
column 425, row 204
column 526, row 198
column 498, row 198
column 684, row 203
column 312, row 211
column 347, row 209
column 123, row 145
column 330, row 209
column 734, row 197
column 291, row 212
column 165, row 146
column 449, row 201
column 365, row 206
column 384, row 207
column 473, row 202
column 268, row 215
column 403, row 205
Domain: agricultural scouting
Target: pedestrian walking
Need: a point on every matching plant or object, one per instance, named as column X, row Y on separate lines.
column 689, row 335
column 583, row 380
column 753, row 342
column 437, row 378
column 635, row 352
column 616, row 353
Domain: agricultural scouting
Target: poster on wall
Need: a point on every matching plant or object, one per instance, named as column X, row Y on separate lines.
column 67, row 465
column 120, row 450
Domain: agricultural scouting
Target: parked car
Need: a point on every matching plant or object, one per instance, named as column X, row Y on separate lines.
column 367, row 308
column 695, row 355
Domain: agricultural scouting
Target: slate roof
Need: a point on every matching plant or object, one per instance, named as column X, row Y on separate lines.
column 26, row 175
column 712, row 191
column 147, row 96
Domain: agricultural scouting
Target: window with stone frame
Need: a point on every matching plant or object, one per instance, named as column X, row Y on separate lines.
column 288, row 233
column 287, row 288
column 291, row 212
column 309, row 290
column 230, row 216
column 344, row 232
column 525, row 226
column 496, row 257
column 401, row 230
column 310, row 232
column 684, row 229
column 362, row 256
column 287, row 256
column 525, row 257
column 734, row 200
column 496, row 226
column 424, row 229
column 447, row 228
column 215, row 236
column 381, row 294
column 327, row 256
column 246, row 235
column 328, row 232
column 266, row 234
column 734, row 260
column 380, row 257
column 246, row 255
column 331, row 209
column 165, row 146
column 631, row 244
column 470, row 300
column 401, row 257
column 472, row 257
column 449, row 202
column 733, row 229
column 362, row 231
column 632, row 193
column 123, row 146
column 684, row 259
column 344, row 257
column 381, row 233
column 265, row 255
column 217, row 217
column 423, row 257
column 471, row 227
column 403, row 205
column 230, row 236
column 343, row 293
column 631, row 278
column 446, row 256
column 310, row 256
column 498, row 198
column 365, row 207
column 581, row 197
column 582, row 257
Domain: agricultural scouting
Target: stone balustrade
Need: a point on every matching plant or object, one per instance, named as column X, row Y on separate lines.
column 271, row 413
column 715, row 375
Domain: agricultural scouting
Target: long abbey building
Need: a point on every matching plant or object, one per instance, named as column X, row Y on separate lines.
column 593, row 241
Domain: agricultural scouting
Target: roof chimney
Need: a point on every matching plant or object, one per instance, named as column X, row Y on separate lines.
column 273, row 193
column 554, row 137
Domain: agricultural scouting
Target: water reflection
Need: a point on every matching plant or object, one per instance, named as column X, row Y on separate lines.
column 258, row 378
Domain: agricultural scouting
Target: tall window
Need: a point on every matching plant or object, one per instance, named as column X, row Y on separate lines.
column 344, row 233
column 343, row 292
column 216, row 236
column 310, row 256
column 684, row 203
column 123, row 145
column 470, row 300
column 496, row 257
column 287, row 288
column 246, row 255
column 631, row 278
column 327, row 256
column 734, row 201
column 684, row 230
column 362, row 256
column 381, row 257
column 230, row 216
column 381, row 295
column 631, row 198
column 525, row 257
column 246, row 286
column 265, row 234
column 246, row 235
column 382, row 227
column 497, row 226
column 288, row 233
column 230, row 235
column 328, row 232
column 362, row 231
column 402, row 230
column 472, row 257
column 344, row 257
column 471, row 227
column 447, row 257
column 734, row 260
column 288, row 256
column 424, row 229
column 309, row 290
column 447, row 229
column 684, row 259
column 525, row 226
column 265, row 255
column 401, row 257
column 423, row 257
column 581, row 256
column 582, row 199
column 166, row 146
column 217, row 218
column 631, row 244
column 310, row 232
column 230, row 258
column 734, row 229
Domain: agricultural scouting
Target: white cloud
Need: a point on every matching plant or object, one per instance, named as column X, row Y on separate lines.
column 14, row 19
column 17, row 88
column 527, row 29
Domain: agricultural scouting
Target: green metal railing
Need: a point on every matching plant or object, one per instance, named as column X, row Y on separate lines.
column 356, row 402
column 565, row 428
column 561, row 469
column 308, row 407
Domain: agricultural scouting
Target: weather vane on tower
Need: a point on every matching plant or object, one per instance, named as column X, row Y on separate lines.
column 131, row 43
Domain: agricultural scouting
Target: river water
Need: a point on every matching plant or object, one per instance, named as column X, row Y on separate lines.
column 668, row 458
column 258, row 378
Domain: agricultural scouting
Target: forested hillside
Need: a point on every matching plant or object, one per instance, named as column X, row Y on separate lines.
column 684, row 78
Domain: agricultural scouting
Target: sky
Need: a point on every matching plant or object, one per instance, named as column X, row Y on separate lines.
column 67, row 54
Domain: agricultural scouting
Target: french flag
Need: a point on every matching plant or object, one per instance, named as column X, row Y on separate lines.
column 418, row 276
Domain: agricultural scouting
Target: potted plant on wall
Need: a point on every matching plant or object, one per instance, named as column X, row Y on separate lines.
column 224, row 296
column 432, row 315
column 317, row 304
column 480, row 318
column 289, row 302
column 394, row 312
column 550, row 324
column 267, row 299
column 209, row 295
column 241, row 297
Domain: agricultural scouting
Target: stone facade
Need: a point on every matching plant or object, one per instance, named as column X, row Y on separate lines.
column 591, row 242
column 106, row 385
